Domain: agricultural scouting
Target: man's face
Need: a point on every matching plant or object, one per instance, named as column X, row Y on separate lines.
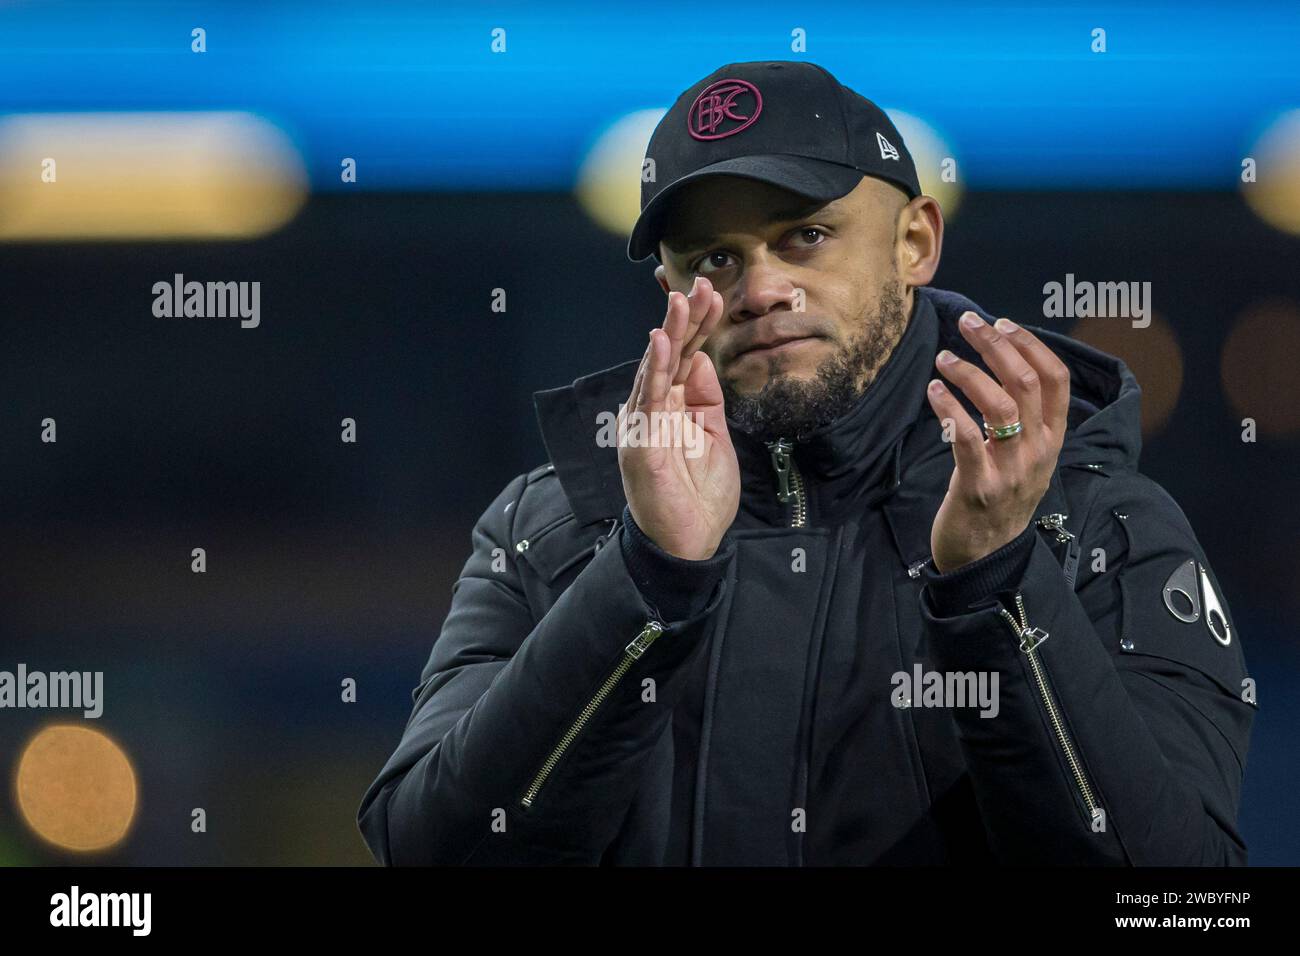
column 813, row 303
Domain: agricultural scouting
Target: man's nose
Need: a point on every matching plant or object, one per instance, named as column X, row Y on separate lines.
column 763, row 286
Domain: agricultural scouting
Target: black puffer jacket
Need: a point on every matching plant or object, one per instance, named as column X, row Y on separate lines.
column 592, row 699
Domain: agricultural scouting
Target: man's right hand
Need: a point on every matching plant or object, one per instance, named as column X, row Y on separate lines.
column 683, row 502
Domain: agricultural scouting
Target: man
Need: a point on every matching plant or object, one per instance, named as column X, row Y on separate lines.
column 817, row 604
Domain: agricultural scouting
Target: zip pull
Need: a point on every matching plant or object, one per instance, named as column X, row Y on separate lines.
column 1030, row 637
column 1056, row 522
column 780, row 450
column 789, row 482
column 914, row 570
column 643, row 640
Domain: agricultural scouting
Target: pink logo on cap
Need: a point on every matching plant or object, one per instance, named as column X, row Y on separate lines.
column 715, row 114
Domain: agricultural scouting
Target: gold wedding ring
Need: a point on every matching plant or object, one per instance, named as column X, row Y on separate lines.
column 1003, row 431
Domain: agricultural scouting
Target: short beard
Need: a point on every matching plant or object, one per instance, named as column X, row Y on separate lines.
column 787, row 407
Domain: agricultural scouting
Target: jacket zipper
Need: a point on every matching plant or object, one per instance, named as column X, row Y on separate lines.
column 789, row 481
column 1030, row 638
column 1056, row 523
column 631, row 654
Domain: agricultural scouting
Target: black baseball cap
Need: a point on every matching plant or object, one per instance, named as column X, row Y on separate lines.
column 785, row 122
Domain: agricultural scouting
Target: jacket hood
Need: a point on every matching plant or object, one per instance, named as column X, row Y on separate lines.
column 1103, row 426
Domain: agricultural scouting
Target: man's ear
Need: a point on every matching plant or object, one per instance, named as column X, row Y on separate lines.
column 662, row 275
column 920, row 241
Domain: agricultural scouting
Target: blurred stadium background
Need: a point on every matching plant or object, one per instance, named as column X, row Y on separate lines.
column 478, row 170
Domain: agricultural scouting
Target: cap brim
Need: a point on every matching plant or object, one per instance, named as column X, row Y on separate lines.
column 811, row 178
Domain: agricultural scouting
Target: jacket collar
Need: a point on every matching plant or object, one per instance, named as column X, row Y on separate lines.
column 889, row 434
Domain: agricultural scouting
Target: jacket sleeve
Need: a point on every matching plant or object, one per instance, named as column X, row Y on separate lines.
column 1151, row 708
column 501, row 691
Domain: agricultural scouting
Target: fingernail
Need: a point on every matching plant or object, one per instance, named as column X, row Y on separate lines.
column 936, row 387
column 971, row 321
column 1005, row 325
column 694, row 282
column 946, row 358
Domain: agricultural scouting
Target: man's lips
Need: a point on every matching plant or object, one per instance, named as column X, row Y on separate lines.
column 780, row 345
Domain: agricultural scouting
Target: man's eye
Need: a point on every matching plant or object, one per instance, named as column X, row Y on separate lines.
column 811, row 230
column 718, row 260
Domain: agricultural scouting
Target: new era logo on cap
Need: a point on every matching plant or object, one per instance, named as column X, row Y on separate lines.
column 789, row 123
column 887, row 150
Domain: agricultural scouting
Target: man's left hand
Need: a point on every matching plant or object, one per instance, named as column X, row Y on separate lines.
column 997, row 482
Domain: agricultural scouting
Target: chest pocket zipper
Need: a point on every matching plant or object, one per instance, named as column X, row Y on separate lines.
column 1056, row 524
